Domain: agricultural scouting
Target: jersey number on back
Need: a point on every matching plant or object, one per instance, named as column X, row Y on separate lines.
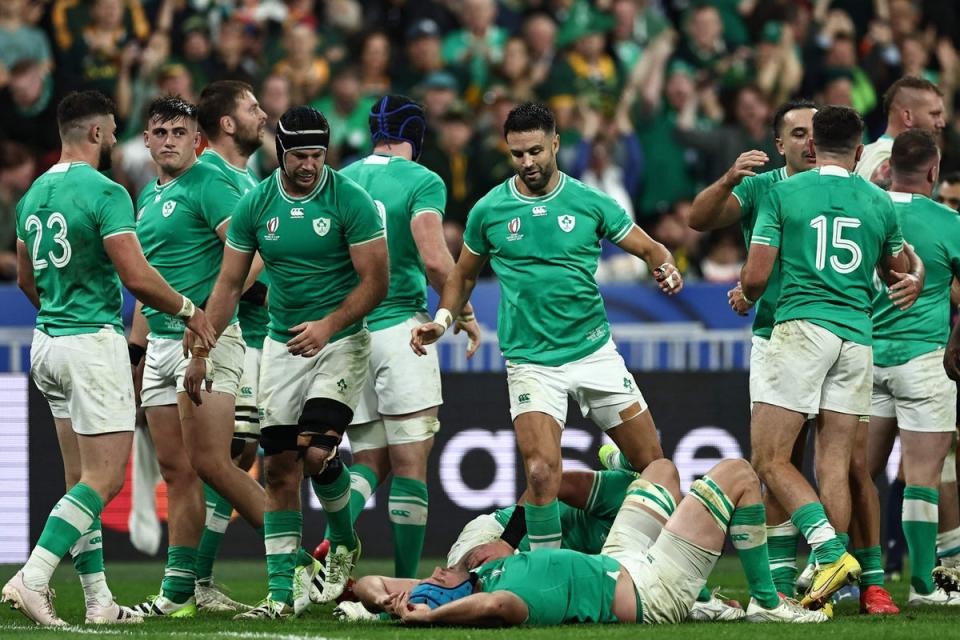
column 839, row 243
column 59, row 259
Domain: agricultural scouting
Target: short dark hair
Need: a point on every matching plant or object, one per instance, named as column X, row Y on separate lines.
column 786, row 108
column 913, row 150
column 167, row 108
column 953, row 177
column 907, row 82
column 530, row 116
column 837, row 129
column 219, row 99
column 78, row 105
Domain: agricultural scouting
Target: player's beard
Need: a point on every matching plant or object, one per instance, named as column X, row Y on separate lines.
column 541, row 181
column 248, row 140
column 106, row 158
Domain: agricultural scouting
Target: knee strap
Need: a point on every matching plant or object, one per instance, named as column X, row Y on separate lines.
column 714, row 499
column 279, row 438
column 320, row 415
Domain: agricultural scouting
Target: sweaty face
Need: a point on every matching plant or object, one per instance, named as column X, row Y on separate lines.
column 250, row 120
column 173, row 143
column 303, row 167
column 949, row 195
column 927, row 112
column 794, row 139
column 534, row 157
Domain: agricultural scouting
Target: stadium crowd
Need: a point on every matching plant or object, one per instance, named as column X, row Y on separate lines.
column 654, row 100
column 283, row 237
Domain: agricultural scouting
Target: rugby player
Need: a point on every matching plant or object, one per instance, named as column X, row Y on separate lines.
column 822, row 327
column 322, row 243
column 76, row 243
column 542, row 230
column 394, row 425
column 654, row 562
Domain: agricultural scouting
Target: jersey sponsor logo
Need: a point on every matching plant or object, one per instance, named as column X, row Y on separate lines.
column 514, row 228
column 567, row 223
column 523, row 398
column 272, row 225
column 321, row 226
column 168, row 208
column 539, row 210
column 296, row 212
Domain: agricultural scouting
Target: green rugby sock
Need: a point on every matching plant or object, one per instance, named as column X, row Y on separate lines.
column 363, row 482
column 219, row 511
column 748, row 532
column 73, row 514
column 871, row 565
column 948, row 543
column 180, row 574
column 543, row 525
column 408, row 506
column 704, row 595
column 87, row 555
column 812, row 522
column 334, row 495
column 782, row 541
column 282, row 531
column 920, row 523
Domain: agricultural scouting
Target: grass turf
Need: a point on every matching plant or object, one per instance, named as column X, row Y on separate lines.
column 246, row 581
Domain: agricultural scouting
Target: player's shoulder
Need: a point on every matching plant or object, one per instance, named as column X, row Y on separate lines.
column 202, row 171
column 497, row 198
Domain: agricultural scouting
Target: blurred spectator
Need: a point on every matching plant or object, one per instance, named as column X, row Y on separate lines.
column 19, row 40
column 347, row 111
column 540, row 33
column 724, row 256
column 198, row 51
column 778, row 69
column 232, row 62
column 609, row 157
column 94, row 55
column 673, row 230
column 452, row 157
column 306, row 72
column 707, row 52
column 27, row 108
column 17, row 171
column 396, row 17
column 586, row 71
column 842, row 55
column 423, row 56
column 375, row 64
column 948, row 191
column 838, row 89
column 746, row 127
column 439, row 91
column 514, row 73
column 274, row 100
column 478, row 45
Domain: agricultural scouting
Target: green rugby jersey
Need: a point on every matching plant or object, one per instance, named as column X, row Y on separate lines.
column 402, row 190
column 934, row 232
column 305, row 245
column 544, row 251
column 750, row 193
column 586, row 529
column 63, row 220
column 177, row 225
column 253, row 317
column 557, row 585
column 831, row 228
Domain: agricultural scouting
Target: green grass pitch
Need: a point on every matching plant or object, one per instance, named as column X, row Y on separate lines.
column 246, row 581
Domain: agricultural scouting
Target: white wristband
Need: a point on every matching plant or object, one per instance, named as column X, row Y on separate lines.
column 444, row 318
column 187, row 310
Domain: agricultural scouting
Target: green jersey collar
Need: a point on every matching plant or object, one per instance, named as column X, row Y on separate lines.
column 225, row 162
column 310, row 196
column 545, row 197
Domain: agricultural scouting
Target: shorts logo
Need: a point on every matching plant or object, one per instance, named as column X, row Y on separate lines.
column 296, row 212
column 342, row 385
column 321, row 226
column 272, row 225
column 539, row 210
column 523, row 398
column 567, row 223
column 246, row 391
column 168, row 208
column 628, row 384
column 514, row 228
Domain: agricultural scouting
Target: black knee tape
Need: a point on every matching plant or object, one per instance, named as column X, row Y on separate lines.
column 279, row 438
column 320, row 415
column 332, row 472
column 317, row 440
column 237, row 445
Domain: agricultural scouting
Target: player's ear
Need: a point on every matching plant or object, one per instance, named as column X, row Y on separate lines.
column 196, row 139
column 858, row 153
column 95, row 132
column 227, row 125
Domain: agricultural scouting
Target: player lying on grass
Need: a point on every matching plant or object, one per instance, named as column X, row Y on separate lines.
column 652, row 566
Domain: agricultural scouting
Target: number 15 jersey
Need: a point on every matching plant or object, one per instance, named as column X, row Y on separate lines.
column 831, row 228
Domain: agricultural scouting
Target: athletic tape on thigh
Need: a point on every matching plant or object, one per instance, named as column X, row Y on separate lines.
column 652, row 496
column 949, row 472
column 422, row 428
column 714, row 499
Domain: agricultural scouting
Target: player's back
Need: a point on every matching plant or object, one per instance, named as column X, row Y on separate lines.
column 834, row 227
column 934, row 232
column 63, row 219
column 402, row 190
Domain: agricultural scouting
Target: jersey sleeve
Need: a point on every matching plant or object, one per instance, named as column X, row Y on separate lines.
column 218, row 199
column 242, row 233
column 615, row 222
column 363, row 222
column 893, row 236
column 115, row 212
column 474, row 238
column 21, row 233
column 769, row 227
column 430, row 196
column 746, row 195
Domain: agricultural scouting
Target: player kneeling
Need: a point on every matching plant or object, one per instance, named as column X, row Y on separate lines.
column 654, row 563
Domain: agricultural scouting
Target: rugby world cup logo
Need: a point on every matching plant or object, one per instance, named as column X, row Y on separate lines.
column 514, row 225
column 273, row 224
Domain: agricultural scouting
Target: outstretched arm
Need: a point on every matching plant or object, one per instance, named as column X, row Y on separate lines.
column 716, row 207
column 497, row 609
